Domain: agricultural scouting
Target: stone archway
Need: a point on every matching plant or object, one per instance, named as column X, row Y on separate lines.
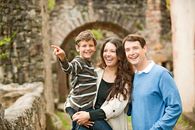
column 63, row 83
column 68, row 19
column 121, row 17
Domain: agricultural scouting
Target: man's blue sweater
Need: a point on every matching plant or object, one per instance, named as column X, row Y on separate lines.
column 156, row 103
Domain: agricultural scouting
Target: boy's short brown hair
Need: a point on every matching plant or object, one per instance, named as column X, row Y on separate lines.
column 85, row 36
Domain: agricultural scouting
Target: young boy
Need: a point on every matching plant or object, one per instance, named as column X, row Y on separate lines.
column 83, row 77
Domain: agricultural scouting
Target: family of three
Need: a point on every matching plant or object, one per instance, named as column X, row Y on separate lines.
column 125, row 83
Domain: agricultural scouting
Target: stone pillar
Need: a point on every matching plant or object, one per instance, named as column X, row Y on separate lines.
column 194, row 72
column 153, row 18
column 48, row 86
column 21, row 22
column 153, row 30
column 183, row 29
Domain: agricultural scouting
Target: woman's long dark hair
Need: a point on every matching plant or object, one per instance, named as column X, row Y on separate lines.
column 124, row 74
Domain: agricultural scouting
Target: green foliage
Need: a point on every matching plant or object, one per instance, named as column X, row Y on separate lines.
column 3, row 55
column 183, row 122
column 70, row 49
column 49, row 122
column 98, row 34
column 5, row 40
column 51, row 4
column 3, row 43
column 65, row 120
column 168, row 4
column 138, row 25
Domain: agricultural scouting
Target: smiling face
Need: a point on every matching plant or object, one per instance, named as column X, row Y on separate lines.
column 86, row 49
column 109, row 55
column 135, row 53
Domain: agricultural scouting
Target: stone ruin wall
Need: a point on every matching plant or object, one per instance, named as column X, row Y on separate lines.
column 150, row 18
column 25, row 62
column 25, row 51
column 22, row 107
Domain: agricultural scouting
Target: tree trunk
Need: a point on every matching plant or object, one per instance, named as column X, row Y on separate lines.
column 48, row 87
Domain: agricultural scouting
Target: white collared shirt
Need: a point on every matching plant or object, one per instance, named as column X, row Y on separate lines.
column 147, row 69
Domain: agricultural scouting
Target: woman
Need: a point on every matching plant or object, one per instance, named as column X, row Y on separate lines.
column 114, row 88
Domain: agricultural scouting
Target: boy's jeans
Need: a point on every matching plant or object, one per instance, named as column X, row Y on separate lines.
column 98, row 125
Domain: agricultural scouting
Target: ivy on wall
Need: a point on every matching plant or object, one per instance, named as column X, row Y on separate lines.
column 3, row 52
column 168, row 4
column 4, row 47
column 97, row 34
column 51, row 4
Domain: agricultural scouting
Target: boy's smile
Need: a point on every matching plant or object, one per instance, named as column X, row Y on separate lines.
column 86, row 49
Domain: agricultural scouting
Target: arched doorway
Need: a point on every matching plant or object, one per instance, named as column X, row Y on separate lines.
column 108, row 29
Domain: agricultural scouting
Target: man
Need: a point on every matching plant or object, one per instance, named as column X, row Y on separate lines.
column 156, row 103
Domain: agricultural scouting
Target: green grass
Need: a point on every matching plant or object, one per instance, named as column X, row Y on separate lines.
column 183, row 124
column 182, row 121
column 65, row 120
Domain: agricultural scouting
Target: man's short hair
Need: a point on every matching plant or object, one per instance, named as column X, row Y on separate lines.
column 133, row 38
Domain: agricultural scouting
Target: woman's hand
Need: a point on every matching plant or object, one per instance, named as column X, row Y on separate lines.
column 88, row 124
column 82, row 117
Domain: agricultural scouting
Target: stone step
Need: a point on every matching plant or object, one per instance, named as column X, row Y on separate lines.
column 60, row 107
